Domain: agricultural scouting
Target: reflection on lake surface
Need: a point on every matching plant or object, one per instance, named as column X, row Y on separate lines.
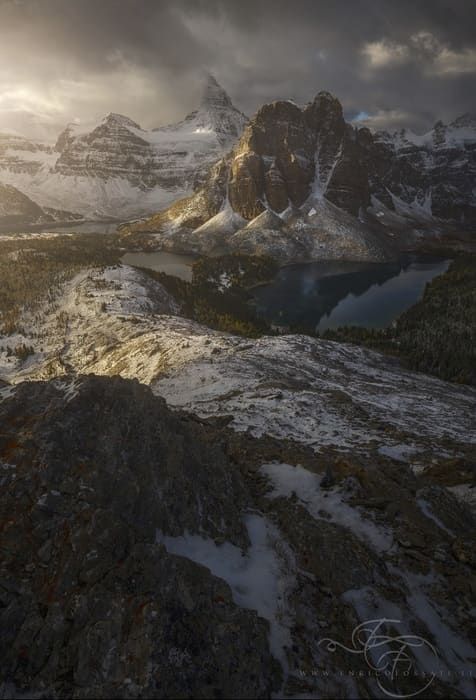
column 324, row 295
column 161, row 261
column 332, row 294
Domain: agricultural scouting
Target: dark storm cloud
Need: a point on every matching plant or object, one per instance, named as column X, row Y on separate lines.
column 399, row 62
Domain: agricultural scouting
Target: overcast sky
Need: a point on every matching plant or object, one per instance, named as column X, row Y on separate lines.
column 393, row 62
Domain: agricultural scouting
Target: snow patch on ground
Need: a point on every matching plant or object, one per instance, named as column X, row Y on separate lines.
column 260, row 579
column 288, row 480
column 426, row 509
column 401, row 453
column 320, row 393
column 443, row 650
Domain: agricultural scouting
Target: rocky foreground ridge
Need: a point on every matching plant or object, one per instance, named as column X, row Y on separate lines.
column 302, row 183
column 308, row 488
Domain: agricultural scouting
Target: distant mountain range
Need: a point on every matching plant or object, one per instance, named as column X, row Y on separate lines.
column 295, row 182
column 116, row 168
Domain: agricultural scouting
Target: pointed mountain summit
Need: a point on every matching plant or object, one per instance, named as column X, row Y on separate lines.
column 217, row 114
column 120, row 120
column 116, row 168
column 213, row 95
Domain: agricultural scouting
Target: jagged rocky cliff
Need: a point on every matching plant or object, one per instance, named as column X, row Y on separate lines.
column 430, row 176
column 118, row 169
column 94, row 605
column 303, row 183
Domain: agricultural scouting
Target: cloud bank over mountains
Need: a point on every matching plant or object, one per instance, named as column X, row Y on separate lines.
column 401, row 63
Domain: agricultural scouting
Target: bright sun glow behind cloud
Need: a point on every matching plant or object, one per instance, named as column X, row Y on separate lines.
column 14, row 98
column 43, row 111
column 67, row 59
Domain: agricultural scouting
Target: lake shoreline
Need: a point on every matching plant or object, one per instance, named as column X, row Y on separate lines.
column 323, row 294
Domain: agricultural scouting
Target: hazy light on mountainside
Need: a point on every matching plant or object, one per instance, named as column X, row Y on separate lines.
column 25, row 98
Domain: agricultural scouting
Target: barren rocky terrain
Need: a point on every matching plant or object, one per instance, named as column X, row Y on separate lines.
column 228, row 539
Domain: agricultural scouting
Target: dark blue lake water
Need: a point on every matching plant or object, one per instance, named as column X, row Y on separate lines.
column 325, row 295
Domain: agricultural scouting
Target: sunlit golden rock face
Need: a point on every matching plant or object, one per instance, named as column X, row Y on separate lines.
column 275, row 189
column 286, row 152
column 302, row 183
column 246, row 184
column 273, row 164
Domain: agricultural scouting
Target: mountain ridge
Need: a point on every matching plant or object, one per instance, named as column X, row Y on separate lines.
column 338, row 189
column 116, row 168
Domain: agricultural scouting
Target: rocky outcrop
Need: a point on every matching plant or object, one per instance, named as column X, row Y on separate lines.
column 131, row 566
column 272, row 162
column 287, row 153
column 91, row 605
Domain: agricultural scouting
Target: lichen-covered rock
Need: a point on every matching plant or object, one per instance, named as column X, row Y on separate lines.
column 90, row 604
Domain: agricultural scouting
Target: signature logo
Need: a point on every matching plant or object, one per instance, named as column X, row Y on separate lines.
column 390, row 657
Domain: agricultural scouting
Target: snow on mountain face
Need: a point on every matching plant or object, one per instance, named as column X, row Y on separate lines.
column 23, row 155
column 16, row 208
column 333, row 191
column 119, row 169
column 429, row 175
column 15, row 205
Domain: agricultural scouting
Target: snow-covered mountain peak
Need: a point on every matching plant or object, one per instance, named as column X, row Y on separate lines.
column 114, row 167
column 113, row 118
column 467, row 120
column 217, row 113
column 213, row 95
column 456, row 134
